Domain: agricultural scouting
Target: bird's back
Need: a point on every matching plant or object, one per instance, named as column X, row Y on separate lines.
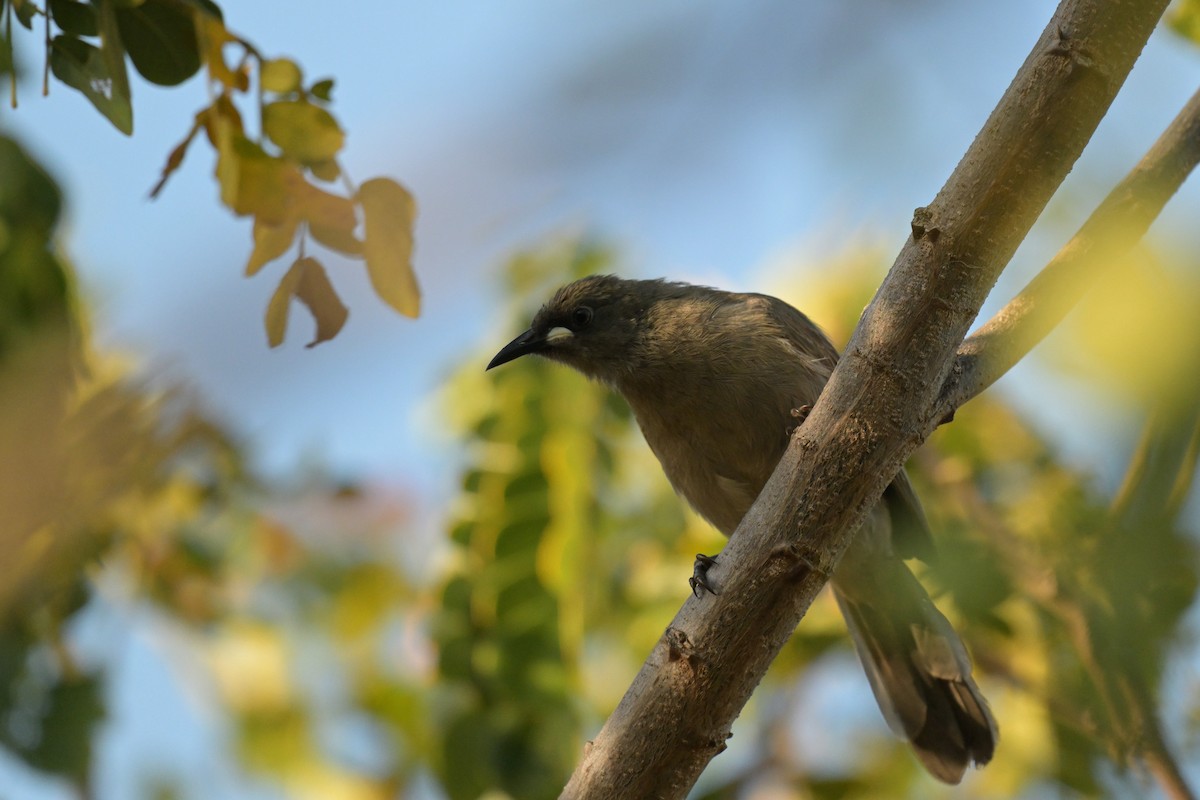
column 728, row 371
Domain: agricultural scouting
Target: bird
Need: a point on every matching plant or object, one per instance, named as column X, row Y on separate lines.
column 716, row 380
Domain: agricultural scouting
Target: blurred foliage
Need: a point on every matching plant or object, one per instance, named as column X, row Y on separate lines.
column 121, row 495
column 1140, row 360
column 1183, row 17
column 81, row 454
column 274, row 177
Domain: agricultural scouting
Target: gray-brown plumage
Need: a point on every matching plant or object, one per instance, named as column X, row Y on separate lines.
column 713, row 378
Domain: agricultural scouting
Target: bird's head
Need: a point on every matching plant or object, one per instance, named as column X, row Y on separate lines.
column 593, row 325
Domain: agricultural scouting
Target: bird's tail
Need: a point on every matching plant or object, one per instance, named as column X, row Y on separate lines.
column 918, row 668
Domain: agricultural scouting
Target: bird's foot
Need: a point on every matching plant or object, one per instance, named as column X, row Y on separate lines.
column 799, row 414
column 699, row 579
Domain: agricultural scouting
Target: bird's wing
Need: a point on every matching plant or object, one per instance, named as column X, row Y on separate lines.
column 910, row 530
column 802, row 332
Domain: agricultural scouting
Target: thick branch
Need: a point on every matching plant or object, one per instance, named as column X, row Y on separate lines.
column 1112, row 229
column 873, row 413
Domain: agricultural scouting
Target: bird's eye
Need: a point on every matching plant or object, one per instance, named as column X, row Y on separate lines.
column 581, row 316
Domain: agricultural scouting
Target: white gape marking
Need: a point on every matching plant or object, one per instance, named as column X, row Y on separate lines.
column 558, row 334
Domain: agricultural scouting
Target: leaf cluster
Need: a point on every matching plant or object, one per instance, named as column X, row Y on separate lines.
column 279, row 177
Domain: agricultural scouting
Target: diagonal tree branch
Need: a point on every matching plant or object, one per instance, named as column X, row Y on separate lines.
column 876, row 409
column 1112, row 229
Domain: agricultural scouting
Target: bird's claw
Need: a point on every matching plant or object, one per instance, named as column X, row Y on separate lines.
column 699, row 579
column 799, row 414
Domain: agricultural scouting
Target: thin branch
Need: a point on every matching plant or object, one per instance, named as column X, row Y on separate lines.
column 874, row 411
column 1166, row 771
column 1112, row 229
column 1163, row 465
column 1186, row 476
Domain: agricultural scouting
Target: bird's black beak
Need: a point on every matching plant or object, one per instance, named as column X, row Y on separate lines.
column 527, row 342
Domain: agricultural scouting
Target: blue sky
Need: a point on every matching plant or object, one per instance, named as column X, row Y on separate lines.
column 708, row 139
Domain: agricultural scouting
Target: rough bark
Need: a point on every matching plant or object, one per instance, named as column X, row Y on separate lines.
column 878, row 407
column 1112, row 229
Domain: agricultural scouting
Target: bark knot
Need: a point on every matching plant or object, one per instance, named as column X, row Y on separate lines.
column 922, row 225
column 798, row 561
column 678, row 645
column 1064, row 45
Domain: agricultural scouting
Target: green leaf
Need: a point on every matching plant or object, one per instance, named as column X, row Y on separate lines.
column 303, row 131
column 160, row 38
column 6, row 55
column 270, row 242
column 279, row 75
column 389, row 213
column 322, row 90
column 469, row 749
column 213, row 37
column 83, row 67
column 15, row 645
column 77, row 19
column 113, row 52
column 29, row 198
column 308, row 283
column 73, row 711
column 25, row 10
column 206, row 7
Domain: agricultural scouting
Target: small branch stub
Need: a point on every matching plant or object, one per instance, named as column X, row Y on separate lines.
column 922, row 225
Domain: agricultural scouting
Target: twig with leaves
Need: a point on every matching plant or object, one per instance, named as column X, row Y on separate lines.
column 273, row 178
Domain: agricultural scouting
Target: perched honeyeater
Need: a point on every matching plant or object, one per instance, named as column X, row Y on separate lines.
column 713, row 379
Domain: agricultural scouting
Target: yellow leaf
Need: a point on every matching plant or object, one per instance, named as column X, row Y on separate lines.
column 213, row 38
column 270, row 242
column 279, row 75
column 307, row 282
column 316, row 292
column 343, row 241
column 250, row 663
column 222, row 113
column 327, row 171
column 253, row 182
column 389, row 213
column 281, row 302
column 319, row 207
column 303, row 131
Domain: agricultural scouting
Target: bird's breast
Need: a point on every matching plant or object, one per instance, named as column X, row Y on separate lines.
column 718, row 444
